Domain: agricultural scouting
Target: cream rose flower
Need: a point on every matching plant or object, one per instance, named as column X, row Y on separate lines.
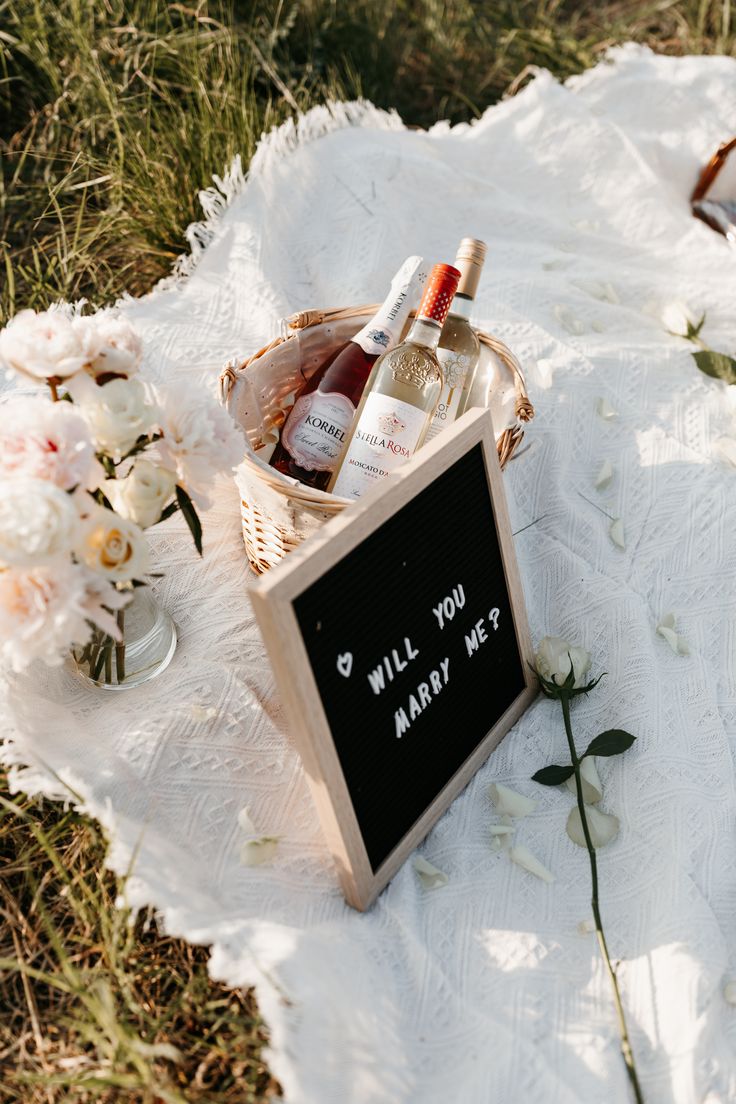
column 118, row 414
column 37, row 522
column 112, row 546
column 554, row 657
column 46, row 440
column 143, row 493
column 678, row 319
column 199, row 439
column 42, row 346
column 114, row 346
column 45, row 611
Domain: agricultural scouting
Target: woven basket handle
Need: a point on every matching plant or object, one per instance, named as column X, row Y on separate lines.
column 711, row 170
column 523, row 407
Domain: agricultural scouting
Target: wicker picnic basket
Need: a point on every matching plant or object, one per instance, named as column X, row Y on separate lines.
column 278, row 513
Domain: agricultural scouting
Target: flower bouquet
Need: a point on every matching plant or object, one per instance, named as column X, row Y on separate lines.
column 85, row 467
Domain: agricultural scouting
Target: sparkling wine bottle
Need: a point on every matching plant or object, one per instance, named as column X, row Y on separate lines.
column 459, row 349
column 318, row 424
column 400, row 396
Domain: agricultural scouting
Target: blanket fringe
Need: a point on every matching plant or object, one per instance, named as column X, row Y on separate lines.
column 278, row 143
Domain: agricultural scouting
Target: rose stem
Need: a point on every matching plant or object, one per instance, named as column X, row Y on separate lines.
column 52, row 381
column 108, row 663
column 120, row 648
column 626, row 1048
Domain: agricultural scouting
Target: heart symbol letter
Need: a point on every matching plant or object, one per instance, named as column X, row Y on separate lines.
column 345, row 664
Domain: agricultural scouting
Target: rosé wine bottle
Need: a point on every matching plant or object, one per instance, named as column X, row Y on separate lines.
column 314, row 434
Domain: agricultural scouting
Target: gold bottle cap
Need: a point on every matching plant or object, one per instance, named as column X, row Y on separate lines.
column 471, row 254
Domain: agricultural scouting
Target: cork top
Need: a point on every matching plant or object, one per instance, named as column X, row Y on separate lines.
column 438, row 293
column 471, row 253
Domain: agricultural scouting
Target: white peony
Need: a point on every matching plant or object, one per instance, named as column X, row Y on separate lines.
column 112, row 546
column 37, row 522
column 46, row 440
column 143, row 493
column 47, row 610
column 114, row 346
column 118, row 414
column 43, row 346
column 554, row 657
column 200, row 439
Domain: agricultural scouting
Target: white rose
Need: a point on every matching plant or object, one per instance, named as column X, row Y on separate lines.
column 45, row 611
column 554, row 657
column 46, row 440
column 118, row 414
column 143, row 493
column 37, row 522
column 678, row 318
column 42, row 346
column 114, row 346
column 199, row 439
column 112, row 546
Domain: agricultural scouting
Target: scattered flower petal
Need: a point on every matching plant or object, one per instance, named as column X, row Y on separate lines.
column 523, row 857
column 592, row 786
column 568, row 320
column 605, row 410
column 616, row 532
column 729, row 992
column 605, row 292
column 245, row 822
column 724, row 449
column 256, row 852
column 200, row 713
column 510, row 802
column 501, row 830
column 605, row 476
column 429, row 875
column 603, row 827
column 666, row 629
column 501, row 836
column 585, row 927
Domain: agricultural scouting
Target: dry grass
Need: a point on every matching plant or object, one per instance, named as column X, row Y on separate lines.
column 113, row 114
column 99, row 1005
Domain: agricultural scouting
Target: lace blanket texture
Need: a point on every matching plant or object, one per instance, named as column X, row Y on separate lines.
column 483, row 991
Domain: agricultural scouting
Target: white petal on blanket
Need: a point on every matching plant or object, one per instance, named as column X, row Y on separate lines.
column 603, row 827
column 245, row 822
column 568, row 320
column 592, row 786
column 585, row 927
column 604, row 476
column 501, row 830
column 729, row 992
column 429, row 876
column 510, row 802
column 523, row 857
column 604, row 410
column 501, row 836
column 256, row 852
column 666, row 629
column 724, row 449
column 616, row 532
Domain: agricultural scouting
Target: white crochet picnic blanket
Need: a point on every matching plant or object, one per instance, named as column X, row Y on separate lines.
column 482, row 991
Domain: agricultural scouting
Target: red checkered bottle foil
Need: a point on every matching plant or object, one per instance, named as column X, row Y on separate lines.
column 400, row 397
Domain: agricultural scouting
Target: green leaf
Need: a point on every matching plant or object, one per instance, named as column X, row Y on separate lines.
column 190, row 515
column 717, row 365
column 168, row 511
column 613, row 742
column 553, row 775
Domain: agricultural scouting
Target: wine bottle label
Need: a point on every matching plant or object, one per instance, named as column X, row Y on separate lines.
column 316, row 430
column 387, row 435
column 454, row 371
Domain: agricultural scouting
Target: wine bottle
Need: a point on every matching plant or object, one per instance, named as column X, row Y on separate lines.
column 318, row 424
column 400, row 396
column 459, row 349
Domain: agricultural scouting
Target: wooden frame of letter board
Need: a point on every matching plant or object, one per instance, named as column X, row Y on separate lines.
column 272, row 597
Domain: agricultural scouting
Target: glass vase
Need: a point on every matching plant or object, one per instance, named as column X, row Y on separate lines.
column 146, row 649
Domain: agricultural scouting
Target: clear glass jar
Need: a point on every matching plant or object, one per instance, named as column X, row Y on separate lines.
column 146, row 649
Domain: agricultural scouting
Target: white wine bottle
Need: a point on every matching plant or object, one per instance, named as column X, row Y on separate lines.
column 459, row 349
column 400, row 397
